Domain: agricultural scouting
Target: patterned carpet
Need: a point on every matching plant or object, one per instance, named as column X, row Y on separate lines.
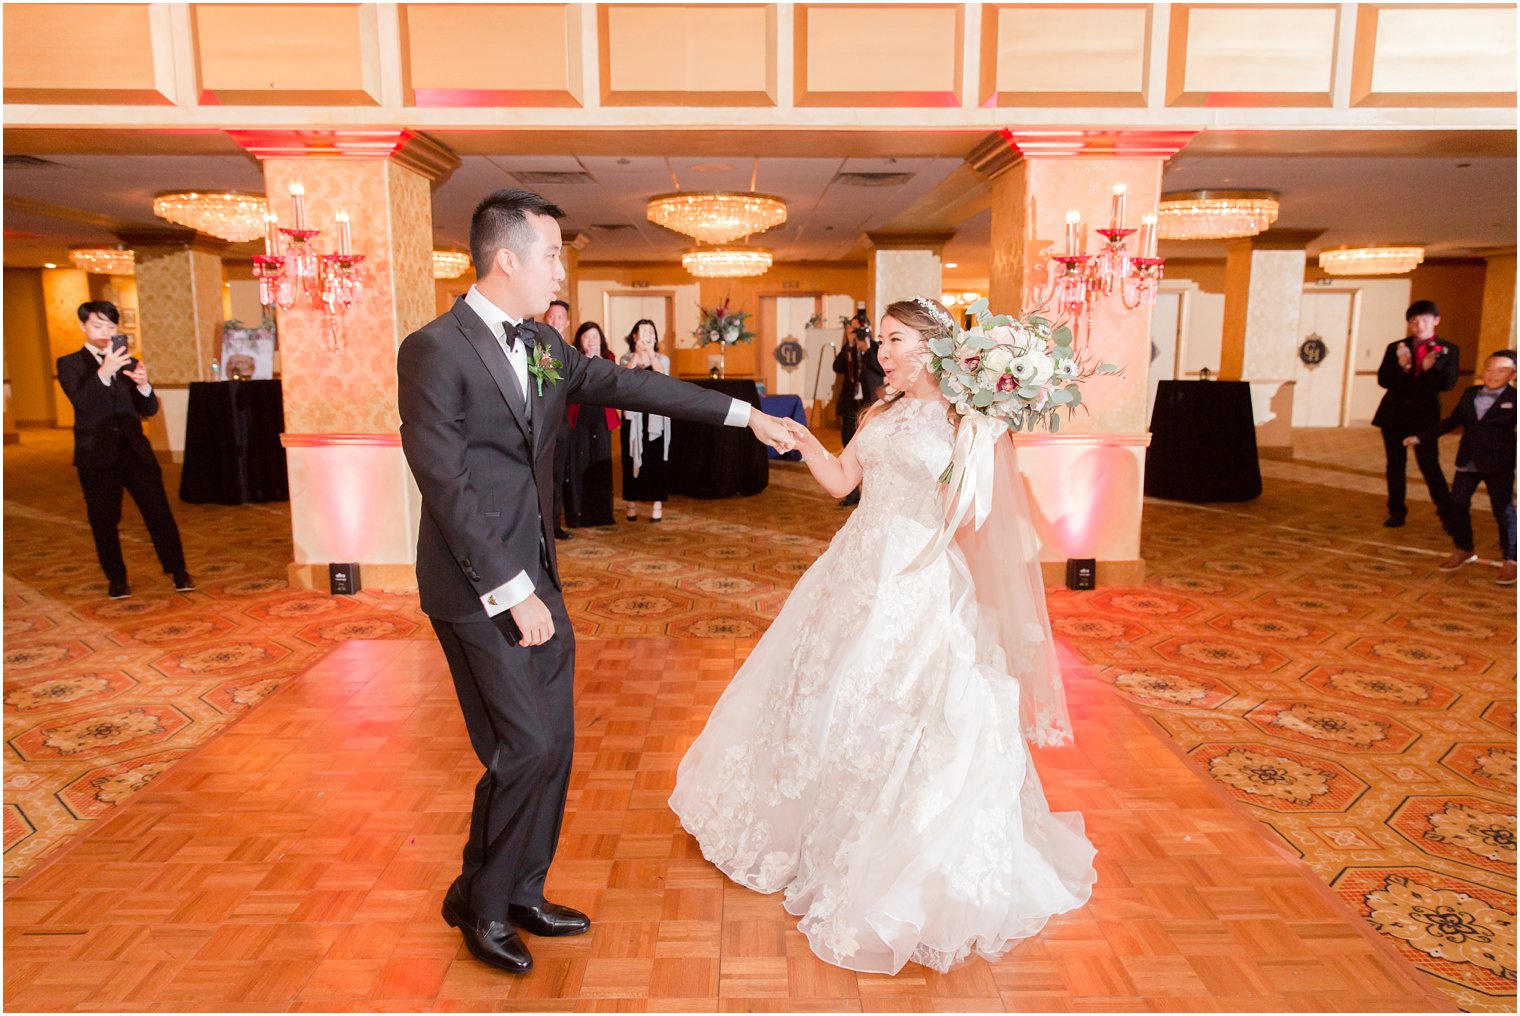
column 1314, row 665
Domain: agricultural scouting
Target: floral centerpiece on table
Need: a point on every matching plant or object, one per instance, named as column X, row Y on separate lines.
column 721, row 325
column 1018, row 371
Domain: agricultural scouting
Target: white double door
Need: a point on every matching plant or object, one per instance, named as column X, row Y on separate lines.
column 1319, row 392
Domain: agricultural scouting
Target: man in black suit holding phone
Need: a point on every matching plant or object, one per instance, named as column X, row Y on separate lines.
column 111, row 395
column 1414, row 372
column 481, row 392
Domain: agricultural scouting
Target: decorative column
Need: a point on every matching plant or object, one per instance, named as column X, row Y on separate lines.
column 1496, row 328
column 63, row 290
column 901, row 266
column 1085, row 482
column 1263, row 294
column 180, row 316
column 570, row 254
column 352, row 497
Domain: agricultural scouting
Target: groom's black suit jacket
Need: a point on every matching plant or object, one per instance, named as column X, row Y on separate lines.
column 487, row 488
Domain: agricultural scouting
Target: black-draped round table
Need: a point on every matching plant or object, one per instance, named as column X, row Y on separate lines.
column 1203, row 443
column 233, row 453
column 714, row 461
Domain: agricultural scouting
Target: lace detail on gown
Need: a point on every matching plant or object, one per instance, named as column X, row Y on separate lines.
column 867, row 760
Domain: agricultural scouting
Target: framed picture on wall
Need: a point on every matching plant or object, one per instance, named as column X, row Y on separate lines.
column 128, row 318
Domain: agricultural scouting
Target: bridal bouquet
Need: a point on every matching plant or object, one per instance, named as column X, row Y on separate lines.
column 1017, row 371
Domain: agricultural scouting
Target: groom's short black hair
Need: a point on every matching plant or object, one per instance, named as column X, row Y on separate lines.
column 501, row 220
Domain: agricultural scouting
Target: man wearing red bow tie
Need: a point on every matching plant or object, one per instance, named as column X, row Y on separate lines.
column 1415, row 371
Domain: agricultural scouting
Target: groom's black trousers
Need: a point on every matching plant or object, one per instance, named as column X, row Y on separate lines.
column 518, row 706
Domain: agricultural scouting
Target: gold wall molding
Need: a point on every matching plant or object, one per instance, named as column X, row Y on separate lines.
column 287, row 54
column 687, row 54
column 340, row 440
column 1065, row 54
column 1434, row 55
column 747, row 66
column 878, row 54
column 1252, row 55
column 538, row 64
column 116, row 54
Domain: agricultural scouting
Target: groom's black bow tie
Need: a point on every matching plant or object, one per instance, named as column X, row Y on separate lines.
column 515, row 333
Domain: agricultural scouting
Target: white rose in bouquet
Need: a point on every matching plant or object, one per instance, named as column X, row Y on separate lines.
column 997, row 360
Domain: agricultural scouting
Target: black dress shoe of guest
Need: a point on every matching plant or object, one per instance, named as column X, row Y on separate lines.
column 549, row 920
column 491, row 942
column 1393, row 522
column 563, row 534
column 183, row 583
column 118, row 589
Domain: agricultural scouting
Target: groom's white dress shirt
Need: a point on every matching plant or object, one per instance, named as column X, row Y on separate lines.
column 518, row 588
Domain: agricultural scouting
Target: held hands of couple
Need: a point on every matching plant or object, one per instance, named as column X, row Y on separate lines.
column 774, row 431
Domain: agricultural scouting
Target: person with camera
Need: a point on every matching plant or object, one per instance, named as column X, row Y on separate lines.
column 111, row 396
column 1414, row 372
column 861, row 381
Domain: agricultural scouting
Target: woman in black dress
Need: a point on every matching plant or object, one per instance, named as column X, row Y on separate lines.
column 588, row 480
column 646, row 438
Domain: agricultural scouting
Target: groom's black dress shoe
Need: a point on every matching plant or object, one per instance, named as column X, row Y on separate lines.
column 549, row 920
column 491, row 942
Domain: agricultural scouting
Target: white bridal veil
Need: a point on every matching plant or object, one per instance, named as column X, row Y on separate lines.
column 987, row 514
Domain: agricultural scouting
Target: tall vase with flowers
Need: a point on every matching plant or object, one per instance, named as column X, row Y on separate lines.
column 722, row 327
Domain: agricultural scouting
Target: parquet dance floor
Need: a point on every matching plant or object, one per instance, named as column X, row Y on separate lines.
column 297, row 861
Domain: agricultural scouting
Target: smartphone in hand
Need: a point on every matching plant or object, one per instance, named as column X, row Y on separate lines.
column 119, row 342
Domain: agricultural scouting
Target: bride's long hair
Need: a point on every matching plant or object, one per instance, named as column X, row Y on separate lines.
column 928, row 318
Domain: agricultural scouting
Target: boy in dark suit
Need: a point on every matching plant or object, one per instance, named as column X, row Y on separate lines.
column 111, row 395
column 1486, row 414
column 1415, row 371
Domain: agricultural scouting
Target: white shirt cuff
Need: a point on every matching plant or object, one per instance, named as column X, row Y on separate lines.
column 105, row 380
column 145, row 390
column 508, row 595
column 738, row 414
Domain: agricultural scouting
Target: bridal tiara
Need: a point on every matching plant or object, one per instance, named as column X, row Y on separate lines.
column 938, row 313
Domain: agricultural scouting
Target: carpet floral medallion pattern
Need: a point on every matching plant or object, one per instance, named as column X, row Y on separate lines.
column 1319, row 673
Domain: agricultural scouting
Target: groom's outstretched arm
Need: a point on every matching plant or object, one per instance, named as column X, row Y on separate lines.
column 599, row 382
column 430, row 398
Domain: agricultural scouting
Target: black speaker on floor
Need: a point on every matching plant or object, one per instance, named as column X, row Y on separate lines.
column 1081, row 573
column 343, row 579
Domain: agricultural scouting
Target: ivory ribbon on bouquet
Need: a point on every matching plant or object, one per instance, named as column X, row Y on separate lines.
column 972, row 475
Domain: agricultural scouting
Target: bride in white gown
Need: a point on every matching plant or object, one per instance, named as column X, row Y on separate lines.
column 869, row 758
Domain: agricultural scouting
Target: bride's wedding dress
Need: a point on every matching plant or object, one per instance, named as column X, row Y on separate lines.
column 868, row 757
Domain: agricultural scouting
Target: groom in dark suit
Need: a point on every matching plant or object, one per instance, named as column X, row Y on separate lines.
column 481, row 393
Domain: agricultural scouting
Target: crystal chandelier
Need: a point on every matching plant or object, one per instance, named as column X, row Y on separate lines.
column 1215, row 214
column 727, row 262
column 449, row 264
column 104, row 260
column 1371, row 260
column 716, row 216
column 230, row 215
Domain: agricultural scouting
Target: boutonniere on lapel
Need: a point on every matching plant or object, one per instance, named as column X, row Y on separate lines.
column 543, row 366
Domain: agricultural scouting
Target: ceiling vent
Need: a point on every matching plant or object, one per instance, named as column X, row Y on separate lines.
column 30, row 162
column 872, row 179
column 552, row 179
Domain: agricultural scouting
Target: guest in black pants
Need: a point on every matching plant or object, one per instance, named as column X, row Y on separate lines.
column 1415, row 371
column 558, row 318
column 1486, row 415
column 588, row 481
column 111, row 395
